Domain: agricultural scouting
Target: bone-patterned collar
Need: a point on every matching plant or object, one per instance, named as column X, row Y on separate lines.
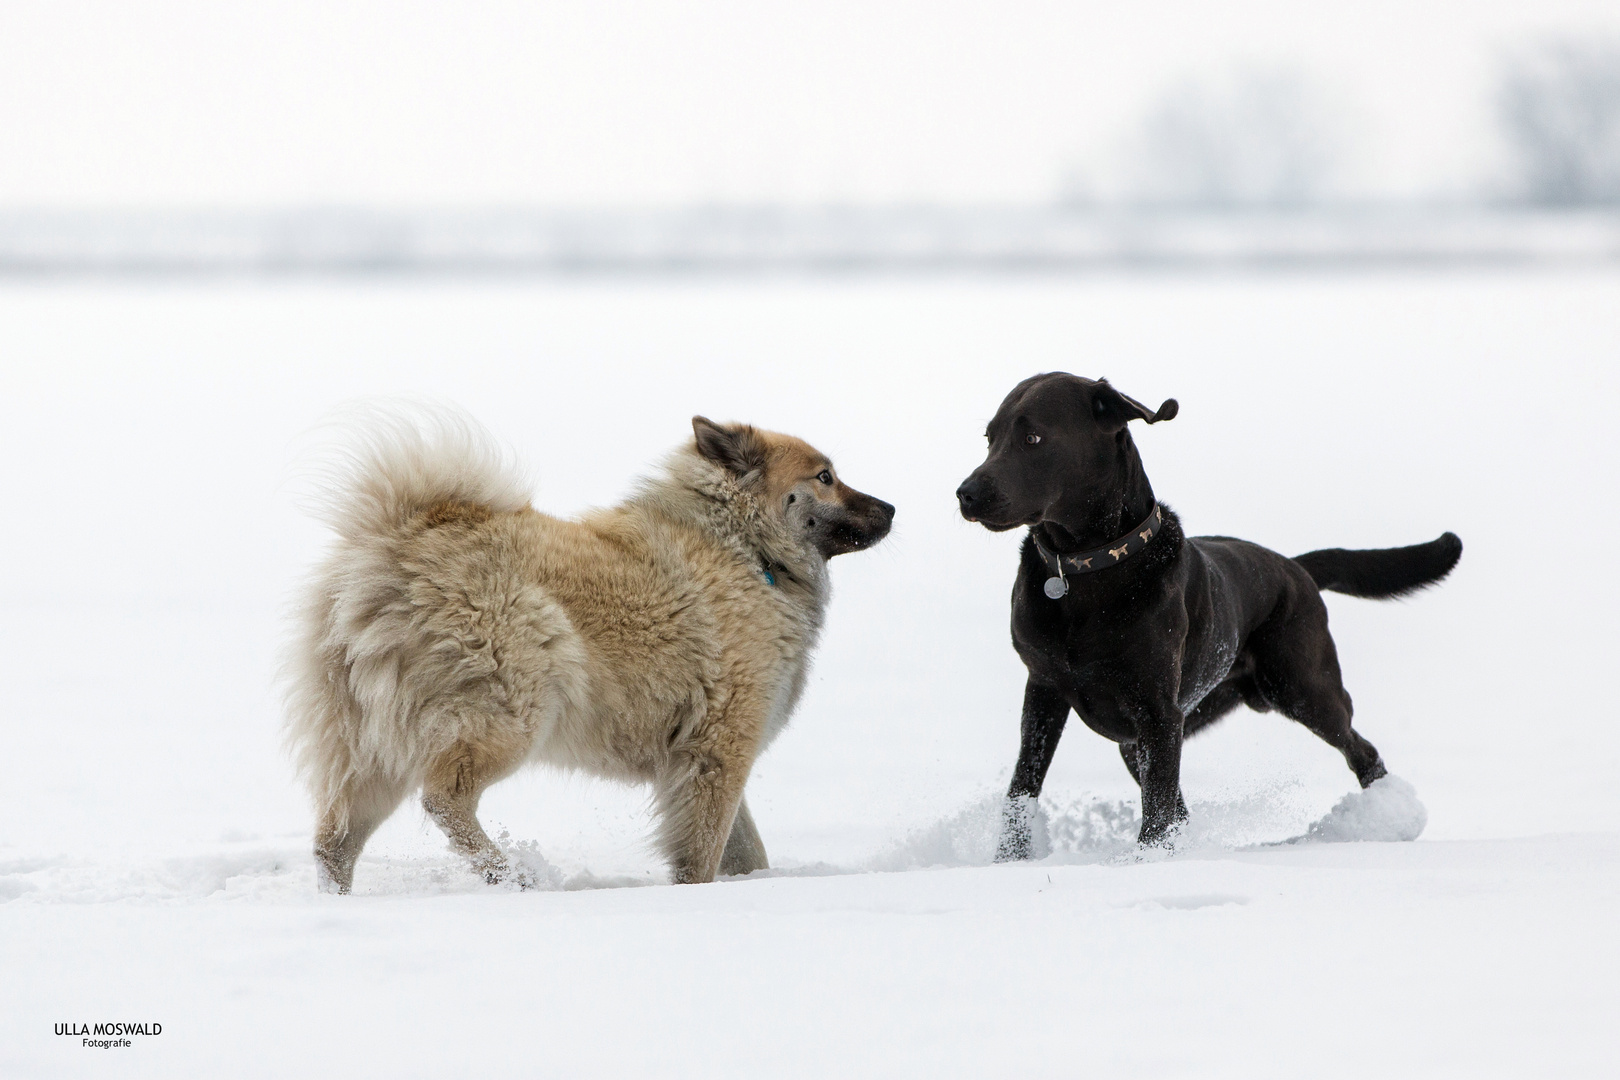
column 1057, row 586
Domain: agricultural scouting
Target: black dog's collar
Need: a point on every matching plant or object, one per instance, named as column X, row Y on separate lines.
column 1057, row 586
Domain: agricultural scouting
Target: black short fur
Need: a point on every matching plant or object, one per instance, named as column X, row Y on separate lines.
column 1383, row 573
column 1152, row 650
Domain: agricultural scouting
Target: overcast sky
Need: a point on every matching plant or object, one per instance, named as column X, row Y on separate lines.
column 399, row 103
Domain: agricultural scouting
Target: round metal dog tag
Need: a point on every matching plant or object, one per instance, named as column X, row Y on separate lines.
column 1056, row 588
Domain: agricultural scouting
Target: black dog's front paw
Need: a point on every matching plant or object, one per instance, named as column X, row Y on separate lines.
column 1163, row 815
column 1013, row 847
column 1163, row 840
column 1162, row 834
column 1017, row 841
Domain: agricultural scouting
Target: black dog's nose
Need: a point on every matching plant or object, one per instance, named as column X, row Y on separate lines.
column 966, row 495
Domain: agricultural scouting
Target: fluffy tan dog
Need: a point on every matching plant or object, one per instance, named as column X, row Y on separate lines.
column 455, row 633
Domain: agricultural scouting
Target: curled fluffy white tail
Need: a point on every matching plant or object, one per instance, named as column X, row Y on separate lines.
column 396, row 460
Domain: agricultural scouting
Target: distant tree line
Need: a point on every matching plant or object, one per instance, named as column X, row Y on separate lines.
column 1270, row 138
column 1559, row 110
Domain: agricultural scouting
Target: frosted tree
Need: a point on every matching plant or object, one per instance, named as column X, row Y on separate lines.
column 1261, row 138
column 1559, row 109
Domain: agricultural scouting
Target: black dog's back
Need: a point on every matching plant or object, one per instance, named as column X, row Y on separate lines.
column 1383, row 573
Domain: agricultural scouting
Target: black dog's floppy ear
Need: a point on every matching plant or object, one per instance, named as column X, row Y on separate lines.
column 1114, row 410
column 735, row 447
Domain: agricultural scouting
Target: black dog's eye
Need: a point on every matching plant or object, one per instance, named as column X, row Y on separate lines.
column 1099, row 406
column 824, row 476
column 1032, row 438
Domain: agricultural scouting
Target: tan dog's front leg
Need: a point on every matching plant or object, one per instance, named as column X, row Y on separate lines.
column 745, row 851
column 699, row 791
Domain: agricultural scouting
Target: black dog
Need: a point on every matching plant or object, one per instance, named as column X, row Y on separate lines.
column 1147, row 635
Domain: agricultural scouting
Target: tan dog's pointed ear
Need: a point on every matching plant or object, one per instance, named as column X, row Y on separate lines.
column 735, row 447
column 1114, row 410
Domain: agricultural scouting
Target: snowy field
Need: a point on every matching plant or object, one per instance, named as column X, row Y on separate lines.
column 154, row 862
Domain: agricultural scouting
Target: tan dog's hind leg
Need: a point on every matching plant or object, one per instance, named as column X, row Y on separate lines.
column 450, row 794
column 365, row 804
column 745, row 851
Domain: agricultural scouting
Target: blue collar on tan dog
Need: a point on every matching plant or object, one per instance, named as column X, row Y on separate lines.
column 1057, row 586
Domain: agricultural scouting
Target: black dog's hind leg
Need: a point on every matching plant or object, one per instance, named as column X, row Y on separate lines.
column 1045, row 714
column 1127, row 750
column 1330, row 722
column 1332, row 726
column 1298, row 672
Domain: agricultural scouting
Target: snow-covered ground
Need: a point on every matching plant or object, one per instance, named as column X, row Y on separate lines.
column 153, row 857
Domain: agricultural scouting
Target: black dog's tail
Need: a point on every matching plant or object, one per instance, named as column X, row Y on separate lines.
column 1383, row 573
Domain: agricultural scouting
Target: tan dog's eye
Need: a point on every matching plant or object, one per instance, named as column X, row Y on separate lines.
column 824, row 476
column 1032, row 439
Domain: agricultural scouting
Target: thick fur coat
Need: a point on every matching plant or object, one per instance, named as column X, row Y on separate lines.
column 455, row 634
